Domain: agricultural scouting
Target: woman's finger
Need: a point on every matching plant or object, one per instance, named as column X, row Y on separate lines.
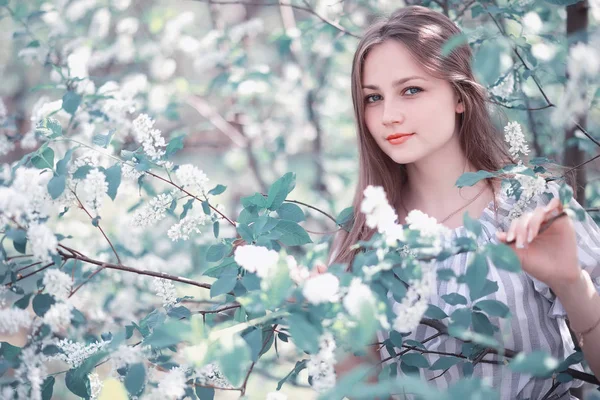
column 535, row 222
column 521, row 230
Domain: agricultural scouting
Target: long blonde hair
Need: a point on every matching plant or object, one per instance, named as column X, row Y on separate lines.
column 424, row 32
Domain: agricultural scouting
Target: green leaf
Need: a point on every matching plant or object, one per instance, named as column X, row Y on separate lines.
column 435, row 312
column 9, row 352
column 415, row 360
column 503, row 257
column 345, row 216
column 454, row 42
column 566, row 193
column 444, row 363
column 23, row 302
column 291, row 212
column 216, row 252
column 471, row 178
column 481, row 324
column 103, row 140
column 233, row 360
column 223, row 285
column 292, row 233
column 300, row 365
column 135, row 379
column 205, row 393
column 454, row 299
column 472, row 225
column 205, row 207
column 493, row 308
column 42, row 303
column 255, row 342
column 217, row 190
column 113, row 178
column 486, row 63
column 77, row 380
column 216, row 229
column 461, row 318
column 47, row 388
column 61, row 165
column 56, row 186
column 280, row 189
column 179, row 312
column 476, row 275
column 71, row 101
column 538, row 363
column 303, row 333
column 174, row 145
column 45, row 159
column 168, row 334
column 49, row 127
column 82, row 172
column 562, row 2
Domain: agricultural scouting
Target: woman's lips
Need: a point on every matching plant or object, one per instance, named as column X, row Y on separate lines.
column 399, row 138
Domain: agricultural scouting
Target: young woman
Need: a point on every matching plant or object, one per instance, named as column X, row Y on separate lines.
column 422, row 121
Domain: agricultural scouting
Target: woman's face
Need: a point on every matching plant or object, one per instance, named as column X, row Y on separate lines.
column 400, row 97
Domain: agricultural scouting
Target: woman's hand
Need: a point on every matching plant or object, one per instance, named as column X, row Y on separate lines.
column 550, row 256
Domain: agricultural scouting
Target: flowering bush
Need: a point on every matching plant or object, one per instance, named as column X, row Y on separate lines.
column 111, row 298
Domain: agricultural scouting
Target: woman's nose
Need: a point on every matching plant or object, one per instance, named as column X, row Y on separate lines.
column 392, row 115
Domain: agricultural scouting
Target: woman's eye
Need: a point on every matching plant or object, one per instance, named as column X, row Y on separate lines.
column 369, row 98
column 413, row 88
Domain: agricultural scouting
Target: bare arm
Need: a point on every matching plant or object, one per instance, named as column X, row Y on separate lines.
column 582, row 303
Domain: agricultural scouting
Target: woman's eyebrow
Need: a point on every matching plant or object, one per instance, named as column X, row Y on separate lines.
column 396, row 82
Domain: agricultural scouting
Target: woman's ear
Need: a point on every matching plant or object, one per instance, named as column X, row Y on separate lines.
column 460, row 106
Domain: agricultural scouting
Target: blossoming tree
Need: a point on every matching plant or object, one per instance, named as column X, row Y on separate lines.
column 108, row 303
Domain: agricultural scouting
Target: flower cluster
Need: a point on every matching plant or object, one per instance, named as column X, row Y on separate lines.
column 57, row 283
column 13, row 319
column 188, row 225
column 530, row 188
column 94, row 188
column 256, row 259
column 58, row 317
column 359, row 299
column 322, row 288
column 153, row 211
column 165, row 290
column 320, row 366
column 192, row 178
column 150, row 138
column 415, row 302
column 379, row 214
column 74, row 353
column 514, row 136
column 43, row 242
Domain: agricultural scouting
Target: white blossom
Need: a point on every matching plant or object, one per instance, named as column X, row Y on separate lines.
column 57, row 283
column 128, row 171
column 153, row 211
column 322, row 288
column 320, row 366
column 210, row 374
column 514, row 136
column 95, row 385
column 150, row 138
column 32, row 370
column 256, row 259
column 172, row 385
column 428, row 226
column 530, row 187
column 188, row 225
column 359, row 299
column 128, row 26
column 415, row 302
column 126, row 355
column 191, row 177
column 13, row 319
column 3, row 112
column 379, row 213
column 100, row 25
column 94, row 188
column 58, row 317
column 6, row 146
column 75, row 353
column 165, row 290
column 298, row 273
column 43, row 242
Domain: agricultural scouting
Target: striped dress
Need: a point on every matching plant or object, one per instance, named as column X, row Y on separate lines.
column 538, row 318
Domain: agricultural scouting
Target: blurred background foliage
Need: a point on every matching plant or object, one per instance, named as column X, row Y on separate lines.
column 259, row 88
